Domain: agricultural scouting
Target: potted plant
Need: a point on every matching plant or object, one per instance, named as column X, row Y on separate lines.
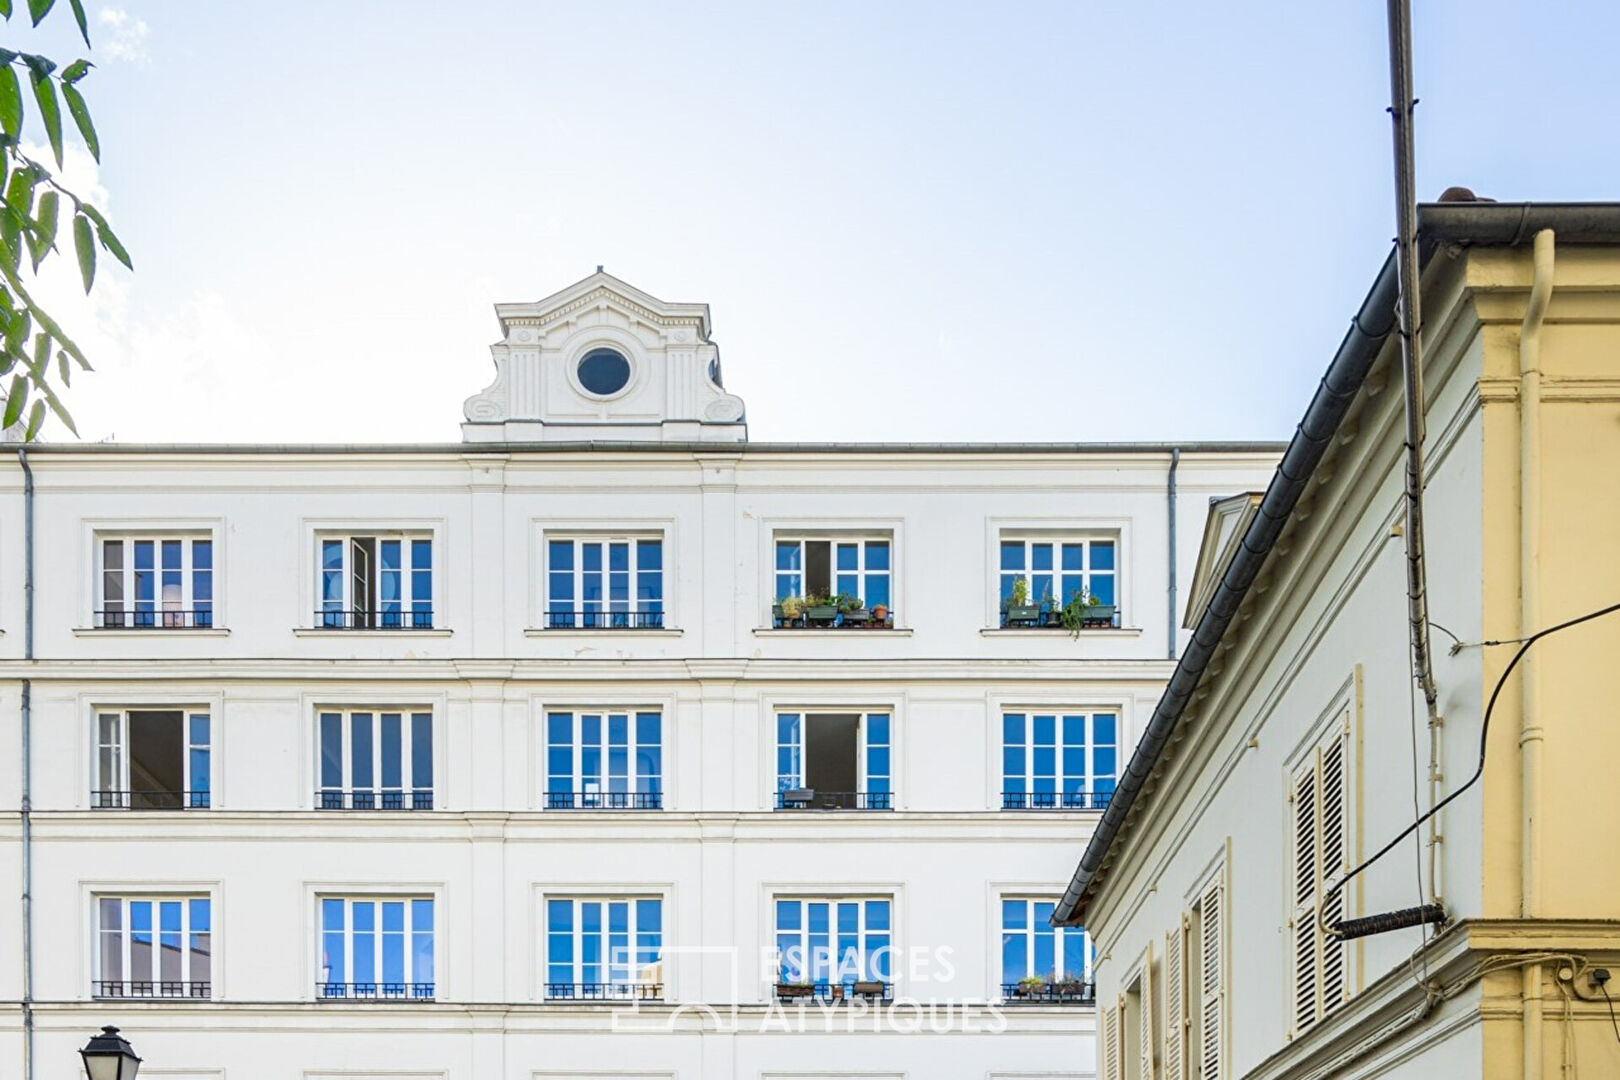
column 1031, row 986
column 1019, row 610
column 1051, row 610
column 868, row 988
column 820, row 610
column 789, row 610
column 1068, row 986
column 798, row 988
column 880, row 614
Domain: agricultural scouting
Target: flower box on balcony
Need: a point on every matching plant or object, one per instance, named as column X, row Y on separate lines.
column 794, row 990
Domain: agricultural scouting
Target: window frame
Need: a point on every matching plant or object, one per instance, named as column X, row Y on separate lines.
column 189, row 714
column 833, row 897
column 1212, row 884
column 634, row 617
column 1031, row 899
column 1057, row 539
column 832, row 529
column 408, row 788
column 631, row 898
column 1082, row 798
column 637, row 799
column 1335, row 730
column 349, row 895
column 866, row 797
column 347, row 616
column 124, row 895
column 97, row 530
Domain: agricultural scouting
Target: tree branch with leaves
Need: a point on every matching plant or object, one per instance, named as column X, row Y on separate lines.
column 35, row 352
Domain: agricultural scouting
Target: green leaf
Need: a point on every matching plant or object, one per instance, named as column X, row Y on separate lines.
column 40, row 364
column 20, row 192
column 5, row 8
column 36, row 420
column 108, row 239
column 37, row 9
column 49, row 111
column 11, row 242
column 16, row 398
column 64, row 370
column 11, row 108
column 85, row 245
column 78, row 17
column 81, row 117
column 76, row 71
column 43, row 237
column 57, row 408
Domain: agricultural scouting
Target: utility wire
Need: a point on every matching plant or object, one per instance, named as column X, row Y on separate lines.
column 1484, row 734
column 1616, row 1023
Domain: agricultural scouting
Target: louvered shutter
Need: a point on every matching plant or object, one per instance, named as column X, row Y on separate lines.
column 1211, row 929
column 1175, row 989
column 1145, row 1032
column 1307, row 866
column 1333, row 866
column 1110, row 1042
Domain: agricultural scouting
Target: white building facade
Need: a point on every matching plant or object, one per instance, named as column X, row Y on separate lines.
column 605, row 743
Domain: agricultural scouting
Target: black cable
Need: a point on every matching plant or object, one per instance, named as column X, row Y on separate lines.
column 1604, row 987
column 1484, row 733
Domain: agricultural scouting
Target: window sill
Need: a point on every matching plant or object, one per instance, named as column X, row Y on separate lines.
column 151, row 631
column 832, row 632
column 1058, row 631
column 369, row 632
column 603, row 632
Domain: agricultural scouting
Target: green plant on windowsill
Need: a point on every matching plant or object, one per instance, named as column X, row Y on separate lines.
column 1020, row 612
column 847, row 603
column 1031, row 985
column 792, row 607
column 820, row 609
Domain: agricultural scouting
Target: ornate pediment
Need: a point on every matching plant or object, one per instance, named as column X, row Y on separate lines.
column 602, row 360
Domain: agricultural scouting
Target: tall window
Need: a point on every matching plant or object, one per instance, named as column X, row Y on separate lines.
column 1040, row 962
column 1058, row 761
column 604, row 760
column 604, row 948
column 834, row 761
column 604, row 583
column 1321, row 853
column 373, row 947
column 376, row 582
column 375, row 760
column 1055, row 570
column 158, row 946
column 1203, row 969
column 156, row 583
column 854, row 566
column 152, row 759
column 840, row 942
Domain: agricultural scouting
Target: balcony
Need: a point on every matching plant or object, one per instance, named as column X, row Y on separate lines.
column 811, row 799
column 604, row 800
column 421, row 619
column 619, row 991
column 829, row 613
column 639, row 619
column 1072, row 617
column 1039, row 991
column 373, row 991
column 834, row 992
column 168, row 619
column 150, row 800
column 1055, row 800
column 335, row 799
column 149, row 988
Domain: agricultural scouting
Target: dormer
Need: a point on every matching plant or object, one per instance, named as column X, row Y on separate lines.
column 604, row 361
column 1228, row 520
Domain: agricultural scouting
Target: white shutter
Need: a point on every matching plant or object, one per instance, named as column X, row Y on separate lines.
column 1307, row 875
column 1110, row 1041
column 1145, row 1034
column 1333, row 866
column 1212, row 916
column 1175, row 989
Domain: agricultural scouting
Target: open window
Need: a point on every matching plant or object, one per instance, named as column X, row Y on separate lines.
column 152, row 759
column 841, row 581
column 375, row 582
column 833, row 761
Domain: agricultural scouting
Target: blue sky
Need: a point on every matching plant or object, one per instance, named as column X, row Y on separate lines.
column 927, row 221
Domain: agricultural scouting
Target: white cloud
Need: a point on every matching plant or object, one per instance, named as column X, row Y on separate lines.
column 125, row 39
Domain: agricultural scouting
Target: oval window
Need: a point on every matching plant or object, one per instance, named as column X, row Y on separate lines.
column 604, row 372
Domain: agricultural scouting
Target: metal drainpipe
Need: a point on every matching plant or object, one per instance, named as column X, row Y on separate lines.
column 1170, row 505
column 27, row 771
column 1531, row 733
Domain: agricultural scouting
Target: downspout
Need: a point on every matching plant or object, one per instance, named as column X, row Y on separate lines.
column 28, row 771
column 1170, row 507
column 1531, row 733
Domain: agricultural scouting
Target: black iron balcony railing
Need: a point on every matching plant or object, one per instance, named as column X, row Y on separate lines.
column 604, row 800
column 840, row 991
column 1100, row 617
column 1055, row 800
column 811, row 799
column 420, row 619
column 1049, row 993
column 334, row 799
column 150, row 800
column 121, row 619
column 627, row 991
column 569, row 619
column 373, row 991
column 149, row 988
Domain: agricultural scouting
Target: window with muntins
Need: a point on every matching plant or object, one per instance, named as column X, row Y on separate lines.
column 1042, row 963
column 1319, row 796
column 834, row 761
column 153, row 946
column 1065, row 760
column 595, row 583
column 376, row 948
column 838, row 947
column 152, row 759
column 1056, row 570
column 375, row 582
column 604, row 759
column 155, row 583
column 814, row 575
column 375, row 759
column 604, row 948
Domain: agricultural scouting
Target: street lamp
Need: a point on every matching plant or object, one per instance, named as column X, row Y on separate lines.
column 109, row 1056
